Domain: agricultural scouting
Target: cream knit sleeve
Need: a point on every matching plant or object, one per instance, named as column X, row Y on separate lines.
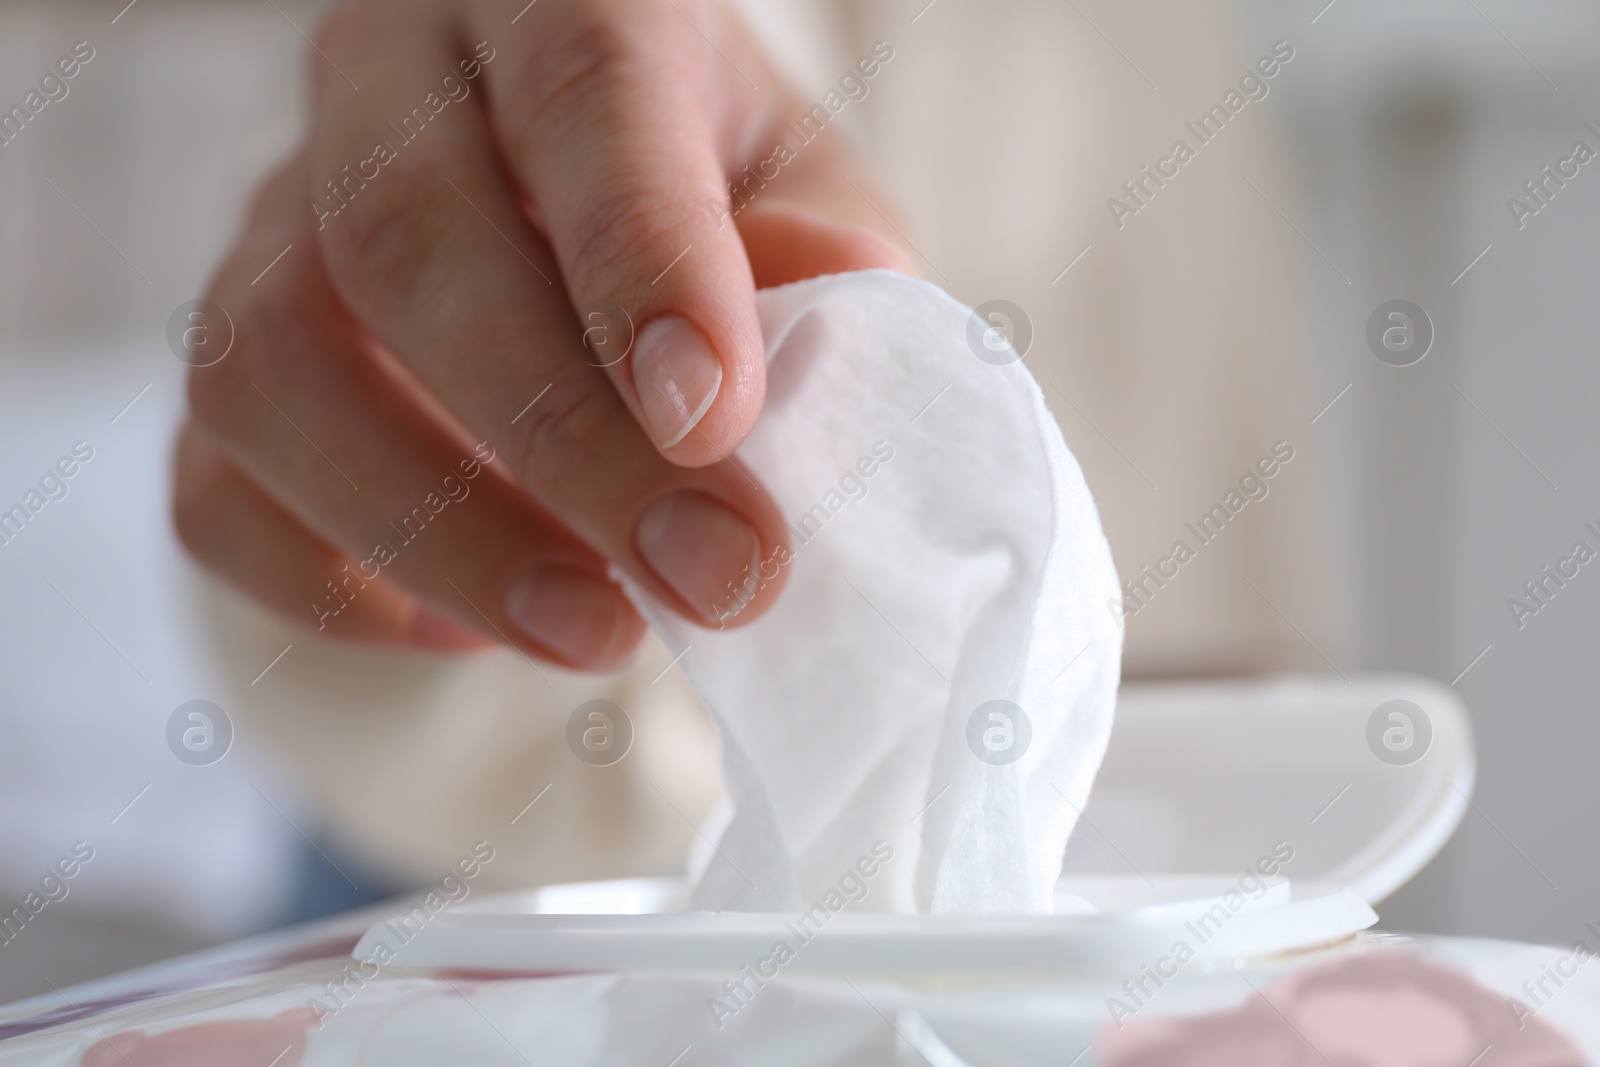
column 410, row 759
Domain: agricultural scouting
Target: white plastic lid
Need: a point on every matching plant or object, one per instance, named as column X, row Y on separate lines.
column 1240, row 819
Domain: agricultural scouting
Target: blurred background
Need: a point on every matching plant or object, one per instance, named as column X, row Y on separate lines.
column 1228, row 313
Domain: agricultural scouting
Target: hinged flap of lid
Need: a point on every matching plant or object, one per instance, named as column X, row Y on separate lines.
column 1357, row 782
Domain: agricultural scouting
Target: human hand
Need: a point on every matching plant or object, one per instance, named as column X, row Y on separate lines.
column 408, row 442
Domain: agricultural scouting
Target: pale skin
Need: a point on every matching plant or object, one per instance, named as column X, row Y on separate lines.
column 422, row 319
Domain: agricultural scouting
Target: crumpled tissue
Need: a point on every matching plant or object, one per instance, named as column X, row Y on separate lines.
column 937, row 681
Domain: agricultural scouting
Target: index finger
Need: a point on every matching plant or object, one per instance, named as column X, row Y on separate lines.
column 622, row 118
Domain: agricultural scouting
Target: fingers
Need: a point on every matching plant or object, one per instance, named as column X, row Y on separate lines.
column 437, row 260
column 238, row 532
column 334, row 432
column 630, row 123
column 618, row 116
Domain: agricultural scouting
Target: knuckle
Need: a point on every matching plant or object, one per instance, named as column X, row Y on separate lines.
column 344, row 31
column 262, row 316
column 198, row 478
column 383, row 239
column 628, row 227
column 594, row 58
column 191, row 519
column 215, row 392
column 568, row 433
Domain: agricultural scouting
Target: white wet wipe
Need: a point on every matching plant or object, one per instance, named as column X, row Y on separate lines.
column 938, row 678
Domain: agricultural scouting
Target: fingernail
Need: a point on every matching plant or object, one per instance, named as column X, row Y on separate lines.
column 439, row 634
column 581, row 617
column 676, row 374
column 701, row 548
